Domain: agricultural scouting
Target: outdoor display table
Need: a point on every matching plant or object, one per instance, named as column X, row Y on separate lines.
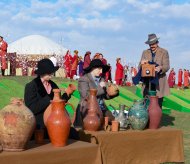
column 76, row 152
column 138, row 147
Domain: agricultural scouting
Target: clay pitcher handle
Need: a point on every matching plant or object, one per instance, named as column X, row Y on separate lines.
column 69, row 90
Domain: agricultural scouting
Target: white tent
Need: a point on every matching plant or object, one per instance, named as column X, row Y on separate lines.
column 36, row 45
column 34, row 48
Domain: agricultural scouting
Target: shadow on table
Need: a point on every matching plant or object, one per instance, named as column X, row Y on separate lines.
column 167, row 120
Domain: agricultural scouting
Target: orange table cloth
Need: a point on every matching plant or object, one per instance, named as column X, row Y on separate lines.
column 138, row 147
column 76, row 152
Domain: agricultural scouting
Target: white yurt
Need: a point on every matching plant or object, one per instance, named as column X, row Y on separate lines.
column 27, row 51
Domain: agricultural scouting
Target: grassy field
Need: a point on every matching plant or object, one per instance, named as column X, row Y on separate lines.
column 176, row 111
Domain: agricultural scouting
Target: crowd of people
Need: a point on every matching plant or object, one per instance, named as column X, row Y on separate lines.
column 75, row 65
column 183, row 80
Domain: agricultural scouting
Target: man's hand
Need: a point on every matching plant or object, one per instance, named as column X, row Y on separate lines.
column 144, row 61
column 158, row 68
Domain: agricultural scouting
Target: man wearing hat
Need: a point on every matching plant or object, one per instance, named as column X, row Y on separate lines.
column 160, row 57
column 38, row 92
column 93, row 80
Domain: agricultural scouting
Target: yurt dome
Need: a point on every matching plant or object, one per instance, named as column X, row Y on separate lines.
column 36, row 45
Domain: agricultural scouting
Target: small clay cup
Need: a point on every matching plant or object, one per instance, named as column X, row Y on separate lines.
column 106, row 119
column 115, row 126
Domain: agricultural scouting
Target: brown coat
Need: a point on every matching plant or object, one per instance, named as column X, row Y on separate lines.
column 162, row 59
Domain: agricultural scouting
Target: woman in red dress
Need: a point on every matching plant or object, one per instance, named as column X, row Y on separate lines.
column 67, row 64
column 186, row 79
column 171, row 78
column 180, row 73
column 119, row 73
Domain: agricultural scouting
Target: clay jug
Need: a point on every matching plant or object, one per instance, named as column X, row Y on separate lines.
column 155, row 113
column 17, row 124
column 57, row 96
column 112, row 89
column 93, row 103
column 58, row 123
column 92, row 121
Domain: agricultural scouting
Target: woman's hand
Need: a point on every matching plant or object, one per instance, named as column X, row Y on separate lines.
column 102, row 84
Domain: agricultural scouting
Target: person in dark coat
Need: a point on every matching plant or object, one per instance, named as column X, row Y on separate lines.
column 39, row 91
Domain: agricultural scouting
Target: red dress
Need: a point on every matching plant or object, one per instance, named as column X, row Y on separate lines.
column 180, row 73
column 171, row 79
column 74, row 66
column 186, row 79
column 3, row 52
column 67, row 63
column 119, row 73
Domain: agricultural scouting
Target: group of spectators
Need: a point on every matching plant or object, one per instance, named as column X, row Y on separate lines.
column 75, row 65
column 183, row 78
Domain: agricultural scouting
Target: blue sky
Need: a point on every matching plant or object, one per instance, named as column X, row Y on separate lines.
column 116, row 28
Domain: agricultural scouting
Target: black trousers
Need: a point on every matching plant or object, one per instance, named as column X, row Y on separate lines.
column 152, row 88
column 3, row 72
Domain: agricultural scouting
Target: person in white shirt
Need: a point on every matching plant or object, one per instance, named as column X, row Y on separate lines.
column 54, row 60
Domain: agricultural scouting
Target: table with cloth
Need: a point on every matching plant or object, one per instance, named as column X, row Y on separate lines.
column 76, row 152
column 138, row 147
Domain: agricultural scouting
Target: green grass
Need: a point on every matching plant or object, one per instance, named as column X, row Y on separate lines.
column 176, row 110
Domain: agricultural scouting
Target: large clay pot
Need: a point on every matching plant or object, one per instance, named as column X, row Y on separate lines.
column 17, row 124
column 92, row 121
column 155, row 113
column 58, row 123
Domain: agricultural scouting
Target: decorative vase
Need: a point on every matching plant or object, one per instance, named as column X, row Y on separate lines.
column 58, row 123
column 121, row 118
column 17, row 124
column 155, row 113
column 138, row 116
column 92, row 121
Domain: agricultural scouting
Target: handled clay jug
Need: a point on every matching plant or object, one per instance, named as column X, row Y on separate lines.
column 17, row 124
column 155, row 113
column 92, row 121
column 57, row 96
column 58, row 123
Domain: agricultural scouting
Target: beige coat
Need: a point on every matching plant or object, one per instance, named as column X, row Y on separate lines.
column 162, row 59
